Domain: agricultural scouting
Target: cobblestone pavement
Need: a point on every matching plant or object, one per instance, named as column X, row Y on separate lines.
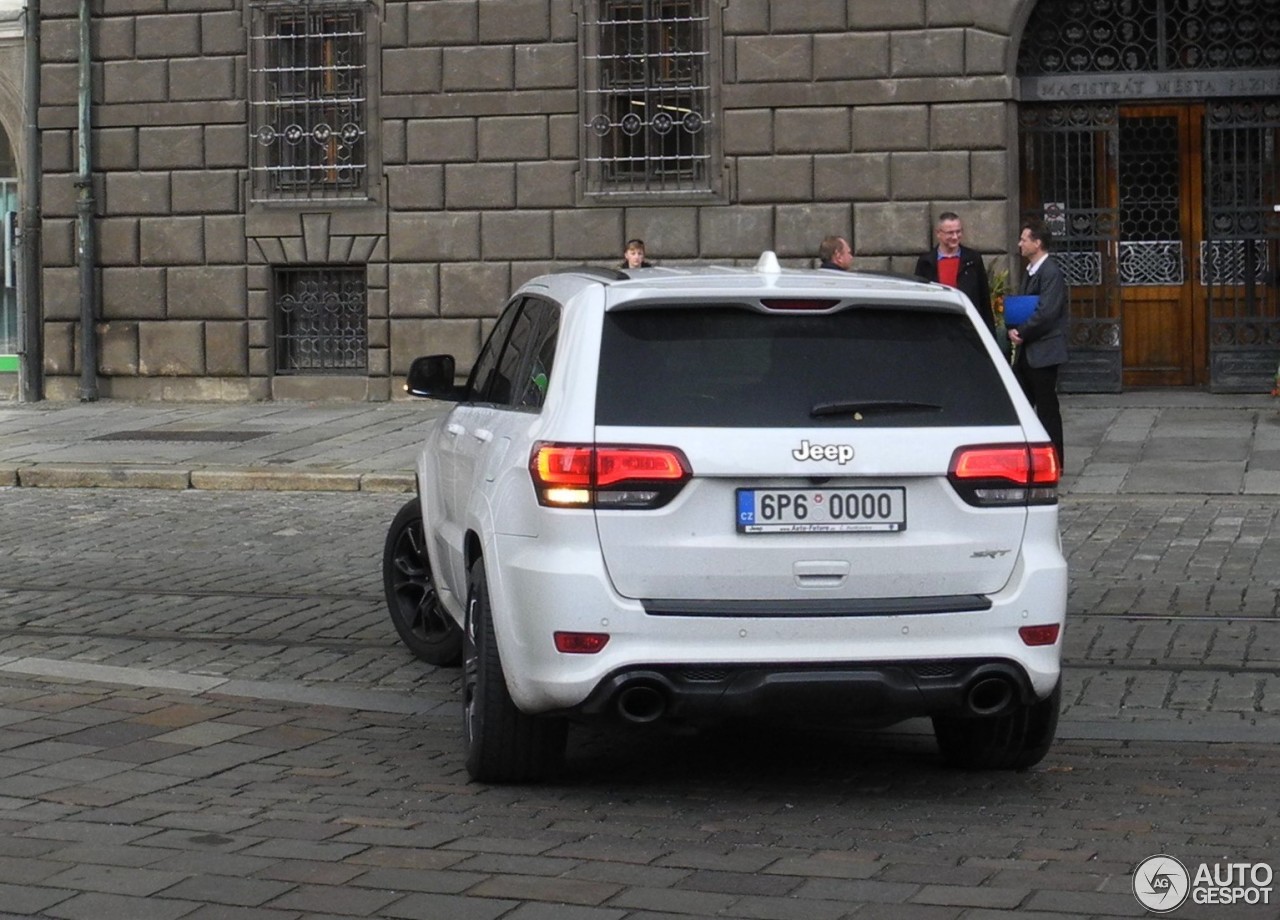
column 204, row 713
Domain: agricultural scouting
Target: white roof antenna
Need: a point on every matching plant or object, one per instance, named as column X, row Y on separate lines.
column 767, row 264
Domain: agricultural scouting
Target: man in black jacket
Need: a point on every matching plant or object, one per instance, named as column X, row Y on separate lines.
column 957, row 266
column 835, row 253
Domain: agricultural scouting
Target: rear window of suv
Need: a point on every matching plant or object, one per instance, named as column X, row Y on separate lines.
column 729, row 366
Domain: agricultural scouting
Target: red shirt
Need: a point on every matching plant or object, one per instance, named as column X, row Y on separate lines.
column 948, row 269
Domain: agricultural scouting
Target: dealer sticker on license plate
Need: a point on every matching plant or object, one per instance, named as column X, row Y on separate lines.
column 822, row 510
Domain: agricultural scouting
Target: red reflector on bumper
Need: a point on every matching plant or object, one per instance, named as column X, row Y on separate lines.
column 1040, row 635
column 578, row 643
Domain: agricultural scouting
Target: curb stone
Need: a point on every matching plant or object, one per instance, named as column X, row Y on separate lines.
column 97, row 477
column 388, row 482
column 76, row 476
column 274, row 480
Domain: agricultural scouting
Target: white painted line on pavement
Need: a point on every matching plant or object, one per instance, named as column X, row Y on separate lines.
column 113, row 674
column 392, row 701
column 341, row 697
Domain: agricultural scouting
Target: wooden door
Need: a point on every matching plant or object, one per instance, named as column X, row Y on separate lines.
column 1158, row 193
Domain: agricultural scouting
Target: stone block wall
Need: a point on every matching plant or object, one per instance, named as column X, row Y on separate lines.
column 170, row 149
column 859, row 117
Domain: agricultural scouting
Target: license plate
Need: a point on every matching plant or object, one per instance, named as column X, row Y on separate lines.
column 822, row 510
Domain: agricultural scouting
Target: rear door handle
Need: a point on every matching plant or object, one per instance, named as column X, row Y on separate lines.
column 454, row 428
column 483, row 435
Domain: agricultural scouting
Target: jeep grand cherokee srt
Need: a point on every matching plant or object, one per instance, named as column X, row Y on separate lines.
column 693, row 495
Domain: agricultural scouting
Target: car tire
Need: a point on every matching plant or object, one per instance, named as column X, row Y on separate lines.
column 1014, row 741
column 503, row 744
column 425, row 627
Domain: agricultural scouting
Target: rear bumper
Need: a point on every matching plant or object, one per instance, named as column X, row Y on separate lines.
column 779, row 655
column 860, row 693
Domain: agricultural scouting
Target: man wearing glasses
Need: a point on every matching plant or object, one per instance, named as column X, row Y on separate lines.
column 957, row 266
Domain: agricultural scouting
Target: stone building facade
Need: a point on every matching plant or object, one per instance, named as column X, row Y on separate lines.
column 484, row 142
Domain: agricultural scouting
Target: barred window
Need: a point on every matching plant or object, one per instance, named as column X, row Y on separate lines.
column 648, row 96
column 321, row 321
column 308, row 99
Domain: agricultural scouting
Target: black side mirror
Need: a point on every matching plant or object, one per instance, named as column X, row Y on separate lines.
column 432, row 376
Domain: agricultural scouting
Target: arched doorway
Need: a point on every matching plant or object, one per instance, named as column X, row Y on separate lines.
column 1148, row 140
column 9, row 344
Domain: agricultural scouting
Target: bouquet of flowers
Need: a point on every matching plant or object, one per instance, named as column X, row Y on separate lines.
column 998, row 284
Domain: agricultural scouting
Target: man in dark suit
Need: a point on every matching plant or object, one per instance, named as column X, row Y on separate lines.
column 957, row 266
column 1041, row 340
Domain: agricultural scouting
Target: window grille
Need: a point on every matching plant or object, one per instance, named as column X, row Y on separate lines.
column 1229, row 262
column 1110, row 36
column 1150, row 202
column 321, row 321
column 647, row 102
column 1081, row 268
column 308, row 99
column 1150, row 262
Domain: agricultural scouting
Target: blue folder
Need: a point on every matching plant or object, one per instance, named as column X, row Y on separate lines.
column 1019, row 307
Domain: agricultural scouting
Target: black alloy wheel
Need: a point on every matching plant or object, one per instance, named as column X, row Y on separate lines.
column 425, row 627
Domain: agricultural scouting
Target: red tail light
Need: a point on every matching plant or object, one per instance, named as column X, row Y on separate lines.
column 1006, row 474
column 607, row 475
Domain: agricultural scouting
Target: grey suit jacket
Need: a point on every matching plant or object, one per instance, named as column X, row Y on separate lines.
column 1044, row 334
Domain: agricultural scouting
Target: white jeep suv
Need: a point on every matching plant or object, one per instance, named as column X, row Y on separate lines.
column 695, row 495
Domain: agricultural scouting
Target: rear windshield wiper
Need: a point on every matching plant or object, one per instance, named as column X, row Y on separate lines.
column 851, row 407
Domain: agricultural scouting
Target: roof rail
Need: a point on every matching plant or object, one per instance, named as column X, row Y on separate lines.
column 608, row 274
